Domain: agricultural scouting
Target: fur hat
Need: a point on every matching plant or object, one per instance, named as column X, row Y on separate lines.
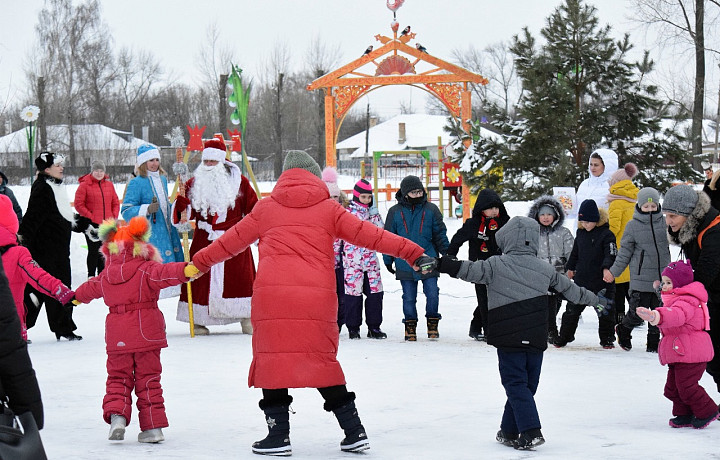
column 300, row 159
column 680, row 273
column 589, row 211
column 214, row 149
column 627, row 172
column 8, row 218
column 146, row 152
column 648, row 195
column 47, row 159
column 97, row 165
column 409, row 184
column 330, row 177
column 680, row 200
column 135, row 234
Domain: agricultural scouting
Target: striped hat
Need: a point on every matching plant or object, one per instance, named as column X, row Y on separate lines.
column 362, row 186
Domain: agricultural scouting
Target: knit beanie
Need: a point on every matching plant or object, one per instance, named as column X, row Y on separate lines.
column 627, row 172
column 330, row 176
column 362, row 186
column 97, row 165
column 409, row 184
column 300, row 159
column 8, row 218
column 648, row 195
column 680, row 272
column 589, row 211
column 680, row 200
column 145, row 153
column 545, row 209
column 47, row 159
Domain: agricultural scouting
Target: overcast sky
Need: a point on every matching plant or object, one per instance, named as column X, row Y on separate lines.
column 174, row 30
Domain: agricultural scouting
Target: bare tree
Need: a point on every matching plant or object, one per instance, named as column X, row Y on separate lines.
column 276, row 68
column 137, row 73
column 215, row 59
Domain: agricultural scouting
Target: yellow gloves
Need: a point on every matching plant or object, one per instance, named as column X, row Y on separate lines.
column 190, row 271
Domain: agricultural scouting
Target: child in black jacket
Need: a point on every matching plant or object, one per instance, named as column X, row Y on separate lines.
column 592, row 255
column 488, row 216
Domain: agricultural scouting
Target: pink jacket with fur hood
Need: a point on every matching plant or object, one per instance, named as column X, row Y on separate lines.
column 683, row 321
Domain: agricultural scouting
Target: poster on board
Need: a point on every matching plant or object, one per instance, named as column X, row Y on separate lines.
column 568, row 200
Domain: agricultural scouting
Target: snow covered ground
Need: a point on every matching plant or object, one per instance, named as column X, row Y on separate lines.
column 425, row 400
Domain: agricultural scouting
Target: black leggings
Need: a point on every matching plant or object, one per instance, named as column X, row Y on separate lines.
column 335, row 397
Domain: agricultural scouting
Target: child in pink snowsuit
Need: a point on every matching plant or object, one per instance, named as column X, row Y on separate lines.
column 130, row 285
column 685, row 346
column 20, row 267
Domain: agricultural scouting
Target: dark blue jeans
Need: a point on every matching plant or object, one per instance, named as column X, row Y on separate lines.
column 409, row 297
column 520, row 376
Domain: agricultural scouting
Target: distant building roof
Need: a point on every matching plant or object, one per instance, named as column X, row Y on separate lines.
column 86, row 137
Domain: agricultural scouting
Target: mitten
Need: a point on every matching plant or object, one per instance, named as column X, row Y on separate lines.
column 153, row 207
column 180, row 169
column 190, row 271
column 449, row 265
column 390, row 268
column 374, row 211
column 651, row 316
column 81, row 223
column 92, row 233
column 426, row 263
column 65, row 295
column 69, row 306
column 182, row 202
column 605, row 304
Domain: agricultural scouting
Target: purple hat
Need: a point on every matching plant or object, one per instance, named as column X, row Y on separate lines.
column 680, row 273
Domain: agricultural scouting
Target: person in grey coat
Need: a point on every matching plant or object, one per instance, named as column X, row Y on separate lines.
column 645, row 248
column 517, row 283
column 556, row 243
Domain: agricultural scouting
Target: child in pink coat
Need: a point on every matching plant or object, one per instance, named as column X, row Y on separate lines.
column 130, row 285
column 20, row 267
column 685, row 346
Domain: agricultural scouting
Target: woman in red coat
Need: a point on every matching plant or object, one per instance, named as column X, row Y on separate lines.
column 135, row 327
column 294, row 303
column 96, row 199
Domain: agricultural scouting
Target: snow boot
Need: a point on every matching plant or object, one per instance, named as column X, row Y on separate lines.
column 681, row 421
column 528, row 440
column 71, row 336
column 410, row 328
column 355, row 436
column 653, row 339
column 624, row 336
column 246, row 326
column 200, row 330
column 376, row 333
column 700, row 423
column 277, row 442
column 153, row 436
column 354, row 335
column 432, row 328
column 506, row 439
column 117, row 427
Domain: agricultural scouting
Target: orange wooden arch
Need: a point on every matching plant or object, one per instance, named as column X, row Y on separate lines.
column 395, row 63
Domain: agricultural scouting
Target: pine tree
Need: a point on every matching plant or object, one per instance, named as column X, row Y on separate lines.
column 580, row 93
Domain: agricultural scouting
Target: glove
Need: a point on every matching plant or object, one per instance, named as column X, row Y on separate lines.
column 449, row 265
column 390, row 268
column 65, row 296
column 181, row 202
column 180, row 169
column 190, row 271
column 426, row 263
column 153, row 208
column 92, row 233
column 651, row 316
column 81, row 223
column 605, row 305
column 374, row 211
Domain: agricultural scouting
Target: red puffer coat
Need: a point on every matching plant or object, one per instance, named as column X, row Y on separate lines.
column 96, row 199
column 130, row 285
column 294, row 303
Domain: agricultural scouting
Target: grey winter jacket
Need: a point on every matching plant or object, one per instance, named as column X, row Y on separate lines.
column 644, row 246
column 517, row 283
column 556, row 241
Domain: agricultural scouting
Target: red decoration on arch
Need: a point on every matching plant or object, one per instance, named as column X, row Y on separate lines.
column 236, row 138
column 195, row 142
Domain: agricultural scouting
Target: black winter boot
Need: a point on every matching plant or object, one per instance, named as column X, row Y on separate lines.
column 653, row 339
column 277, row 442
column 432, row 328
column 410, row 330
column 528, row 440
column 355, row 436
column 624, row 336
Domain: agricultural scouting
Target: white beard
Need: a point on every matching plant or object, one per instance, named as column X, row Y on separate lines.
column 62, row 201
column 213, row 191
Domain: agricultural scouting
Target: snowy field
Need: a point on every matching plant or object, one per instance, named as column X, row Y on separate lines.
column 425, row 400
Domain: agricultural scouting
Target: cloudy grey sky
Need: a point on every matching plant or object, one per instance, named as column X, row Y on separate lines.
column 174, row 30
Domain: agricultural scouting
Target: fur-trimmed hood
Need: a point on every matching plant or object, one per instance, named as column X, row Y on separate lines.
column 548, row 200
column 689, row 230
column 604, row 218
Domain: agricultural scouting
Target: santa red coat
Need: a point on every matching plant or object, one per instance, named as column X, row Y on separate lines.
column 294, row 304
column 223, row 295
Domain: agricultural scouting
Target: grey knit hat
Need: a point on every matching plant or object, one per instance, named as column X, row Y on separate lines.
column 680, row 200
column 409, row 184
column 547, row 209
column 98, row 165
column 648, row 195
column 300, row 159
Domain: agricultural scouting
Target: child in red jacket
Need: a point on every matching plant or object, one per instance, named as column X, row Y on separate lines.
column 130, row 285
column 21, row 269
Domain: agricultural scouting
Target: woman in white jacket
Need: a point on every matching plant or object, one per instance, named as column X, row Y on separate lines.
column 603, row 163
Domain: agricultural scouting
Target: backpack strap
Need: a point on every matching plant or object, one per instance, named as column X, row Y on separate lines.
column 714, row 222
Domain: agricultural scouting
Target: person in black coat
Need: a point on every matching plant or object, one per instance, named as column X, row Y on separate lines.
column 488, row 216
column 45, row 231
column 712, row 189
column 17, row 377
column 5, row 190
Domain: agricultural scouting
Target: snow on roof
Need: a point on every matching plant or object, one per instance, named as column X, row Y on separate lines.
column 86, row 137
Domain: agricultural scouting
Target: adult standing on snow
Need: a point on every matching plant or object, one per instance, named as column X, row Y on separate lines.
column 295, row 337
column 712, row 190
column 147, row 196
column 5, row 190
column 603, row 163
column 694, row 225
column 217, row 197
column 45, row 231
column 96, row 199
